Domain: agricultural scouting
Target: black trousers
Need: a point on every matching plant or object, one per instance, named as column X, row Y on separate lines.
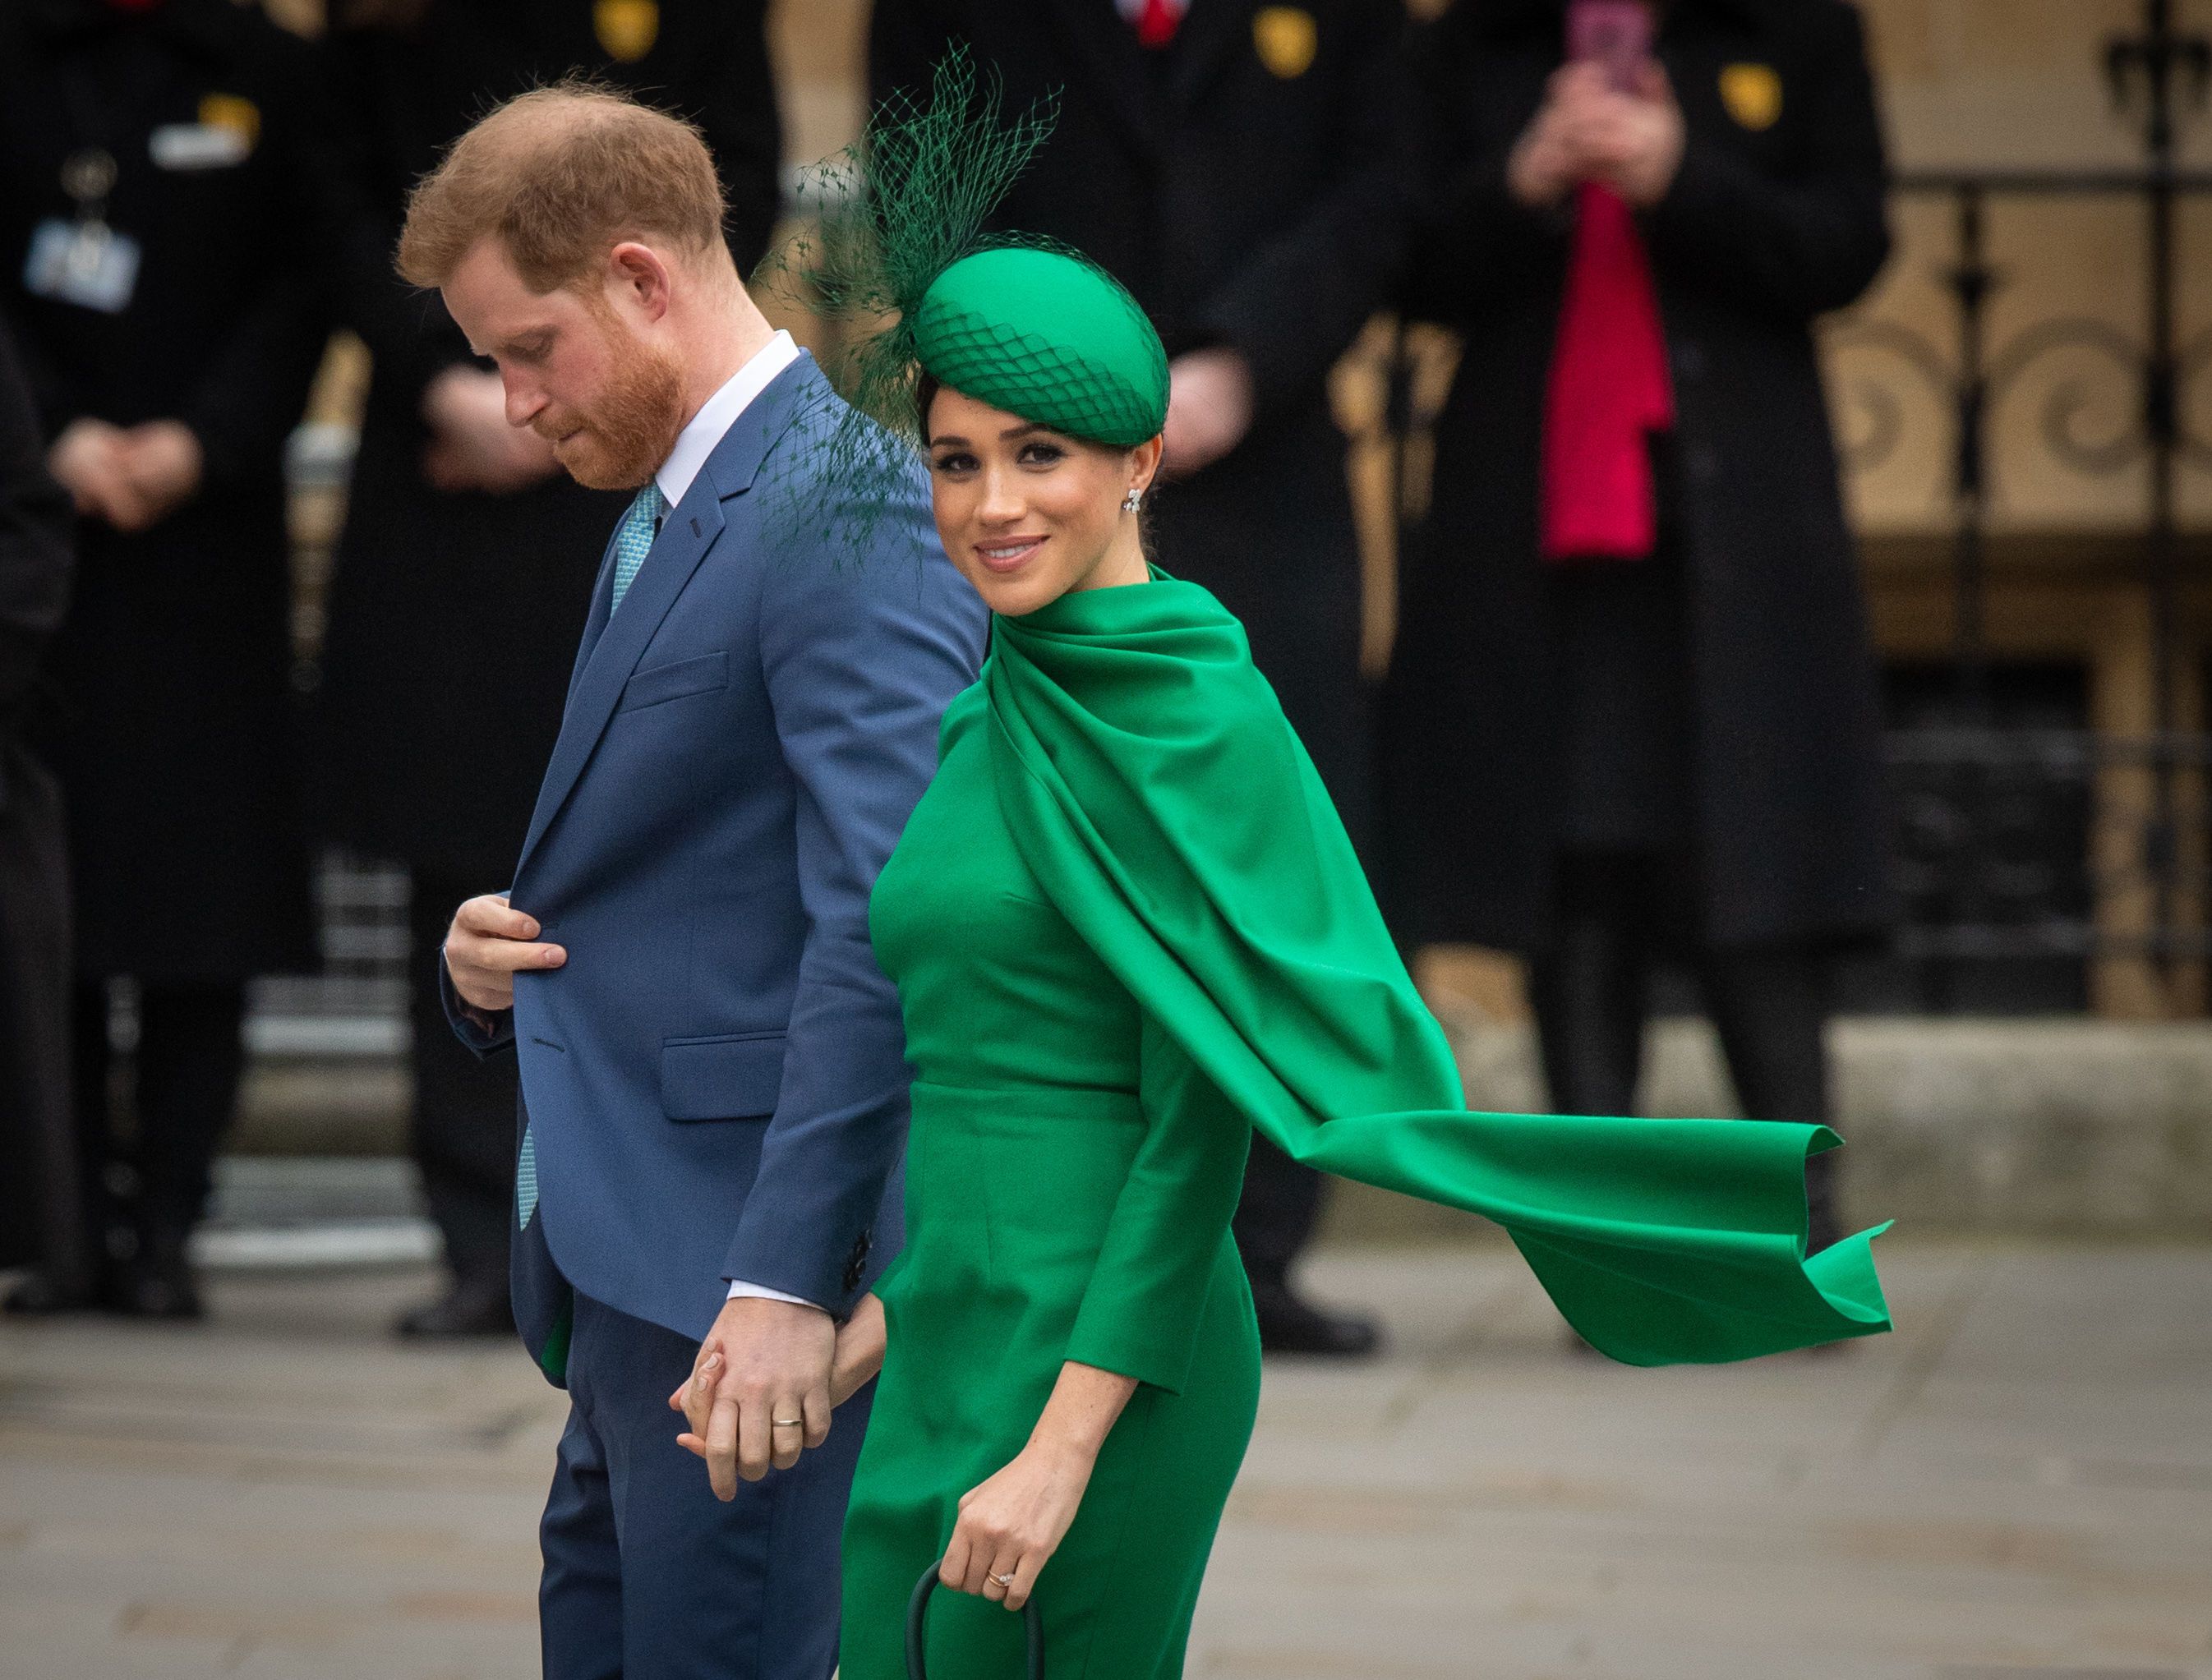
column 183, row 1091
column 40, row 1208
column 1617, row 914
column 462, row 1130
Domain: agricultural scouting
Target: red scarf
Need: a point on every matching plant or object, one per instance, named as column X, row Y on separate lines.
column 1608, row 392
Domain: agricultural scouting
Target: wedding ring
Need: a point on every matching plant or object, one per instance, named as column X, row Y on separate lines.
column 787, row 1422
column 1002, row 1580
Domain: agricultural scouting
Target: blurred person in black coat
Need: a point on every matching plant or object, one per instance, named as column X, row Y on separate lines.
column 1603, row 753
column 41, row 1219
column 467, row 561
column 1240, row 167
column 152, row 193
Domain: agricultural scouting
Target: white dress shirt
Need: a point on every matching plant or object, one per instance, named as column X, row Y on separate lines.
column 693, row 444
column 706, row 428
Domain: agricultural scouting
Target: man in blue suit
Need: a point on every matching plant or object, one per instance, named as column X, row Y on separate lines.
column 714, row 1089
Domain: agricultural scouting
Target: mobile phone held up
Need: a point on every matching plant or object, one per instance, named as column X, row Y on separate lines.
column 1613, row 34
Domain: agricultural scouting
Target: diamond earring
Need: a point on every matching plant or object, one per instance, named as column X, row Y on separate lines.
column 1134, row 500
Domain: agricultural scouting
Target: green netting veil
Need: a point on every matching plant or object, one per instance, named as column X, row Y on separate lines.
column 897, row 257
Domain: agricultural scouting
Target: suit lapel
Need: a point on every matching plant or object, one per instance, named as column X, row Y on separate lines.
column 1101, row 38
column 686, row 536
column 608, row 661
column 595, row 620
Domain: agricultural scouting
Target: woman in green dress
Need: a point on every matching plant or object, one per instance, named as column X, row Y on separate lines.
column 1127, row 929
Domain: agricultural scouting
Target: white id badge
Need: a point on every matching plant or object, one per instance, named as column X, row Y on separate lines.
column 87, row 264
column 197, row 146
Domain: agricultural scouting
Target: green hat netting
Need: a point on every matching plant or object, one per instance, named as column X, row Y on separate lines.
column 897, row 257
column 1046, row 335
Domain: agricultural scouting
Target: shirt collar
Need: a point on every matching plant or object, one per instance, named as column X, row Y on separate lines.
column 697, row 441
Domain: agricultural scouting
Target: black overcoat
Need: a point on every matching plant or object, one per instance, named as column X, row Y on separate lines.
column 455, row 617
column 175, row 740
column 1776, row 215
column 38, row 1205
column 1246, row 184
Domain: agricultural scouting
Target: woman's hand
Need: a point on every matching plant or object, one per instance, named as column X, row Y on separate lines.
column 860, row 1355
column 1010, row 1525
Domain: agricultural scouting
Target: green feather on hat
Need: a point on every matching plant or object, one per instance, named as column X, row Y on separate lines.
column 898, row 253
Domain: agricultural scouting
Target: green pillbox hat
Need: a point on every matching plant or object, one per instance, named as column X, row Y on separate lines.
column 1049, row 337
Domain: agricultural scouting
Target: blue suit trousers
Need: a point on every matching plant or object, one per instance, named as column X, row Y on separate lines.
column 647, row 1575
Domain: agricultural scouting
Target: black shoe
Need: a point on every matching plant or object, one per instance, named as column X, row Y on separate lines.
column 158, row 1284
column 1288, row 1324
column 468, row 1309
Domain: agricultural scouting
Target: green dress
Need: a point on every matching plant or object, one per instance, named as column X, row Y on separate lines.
column 1126, row 927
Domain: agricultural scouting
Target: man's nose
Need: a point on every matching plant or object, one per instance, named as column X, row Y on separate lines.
column 525, row 401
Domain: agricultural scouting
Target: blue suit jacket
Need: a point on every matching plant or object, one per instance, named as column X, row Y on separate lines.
column 715, row 1084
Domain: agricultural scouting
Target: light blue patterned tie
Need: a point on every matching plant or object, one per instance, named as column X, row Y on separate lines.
column 634, row 538
column 525, row 1179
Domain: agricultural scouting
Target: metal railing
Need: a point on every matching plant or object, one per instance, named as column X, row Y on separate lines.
column 2141, row 792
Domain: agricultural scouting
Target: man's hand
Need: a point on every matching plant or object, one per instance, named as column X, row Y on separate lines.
column 759, row 1393
column 1633, row 141
column 88, row 459
column 162, row 462
column 487, row 944
column 1209, row 409
column 472, row 446
column 1589, row 130
column 1545, row 163
column 134, row 478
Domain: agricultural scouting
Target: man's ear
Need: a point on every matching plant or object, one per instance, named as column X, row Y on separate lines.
column 640, row 277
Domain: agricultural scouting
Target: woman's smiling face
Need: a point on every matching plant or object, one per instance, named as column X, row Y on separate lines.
column 1028, row 513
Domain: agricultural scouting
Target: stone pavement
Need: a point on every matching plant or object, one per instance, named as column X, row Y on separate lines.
column 2017, row 1484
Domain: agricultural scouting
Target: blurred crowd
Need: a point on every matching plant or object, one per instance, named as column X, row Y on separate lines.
column 1629, row 718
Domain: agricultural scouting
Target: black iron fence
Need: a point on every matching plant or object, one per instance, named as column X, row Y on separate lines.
column 1993, row 796
column 2027, row 837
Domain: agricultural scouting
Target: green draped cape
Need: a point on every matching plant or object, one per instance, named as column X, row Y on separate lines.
column 1152, row 785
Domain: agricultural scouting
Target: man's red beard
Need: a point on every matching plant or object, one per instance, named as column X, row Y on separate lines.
column 623, row 437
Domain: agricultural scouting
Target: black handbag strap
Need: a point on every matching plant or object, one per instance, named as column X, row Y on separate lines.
column 917, row 1610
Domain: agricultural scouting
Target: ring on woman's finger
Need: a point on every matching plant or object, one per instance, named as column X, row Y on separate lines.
column 1006, row 1579
column 786, row 1422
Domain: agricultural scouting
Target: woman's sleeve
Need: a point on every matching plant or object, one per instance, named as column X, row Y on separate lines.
column 1140, row 1312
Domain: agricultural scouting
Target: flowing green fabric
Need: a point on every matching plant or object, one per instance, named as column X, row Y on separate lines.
column 1151, row 785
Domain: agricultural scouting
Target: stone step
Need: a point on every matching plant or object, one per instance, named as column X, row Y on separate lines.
column 2032, row 1127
